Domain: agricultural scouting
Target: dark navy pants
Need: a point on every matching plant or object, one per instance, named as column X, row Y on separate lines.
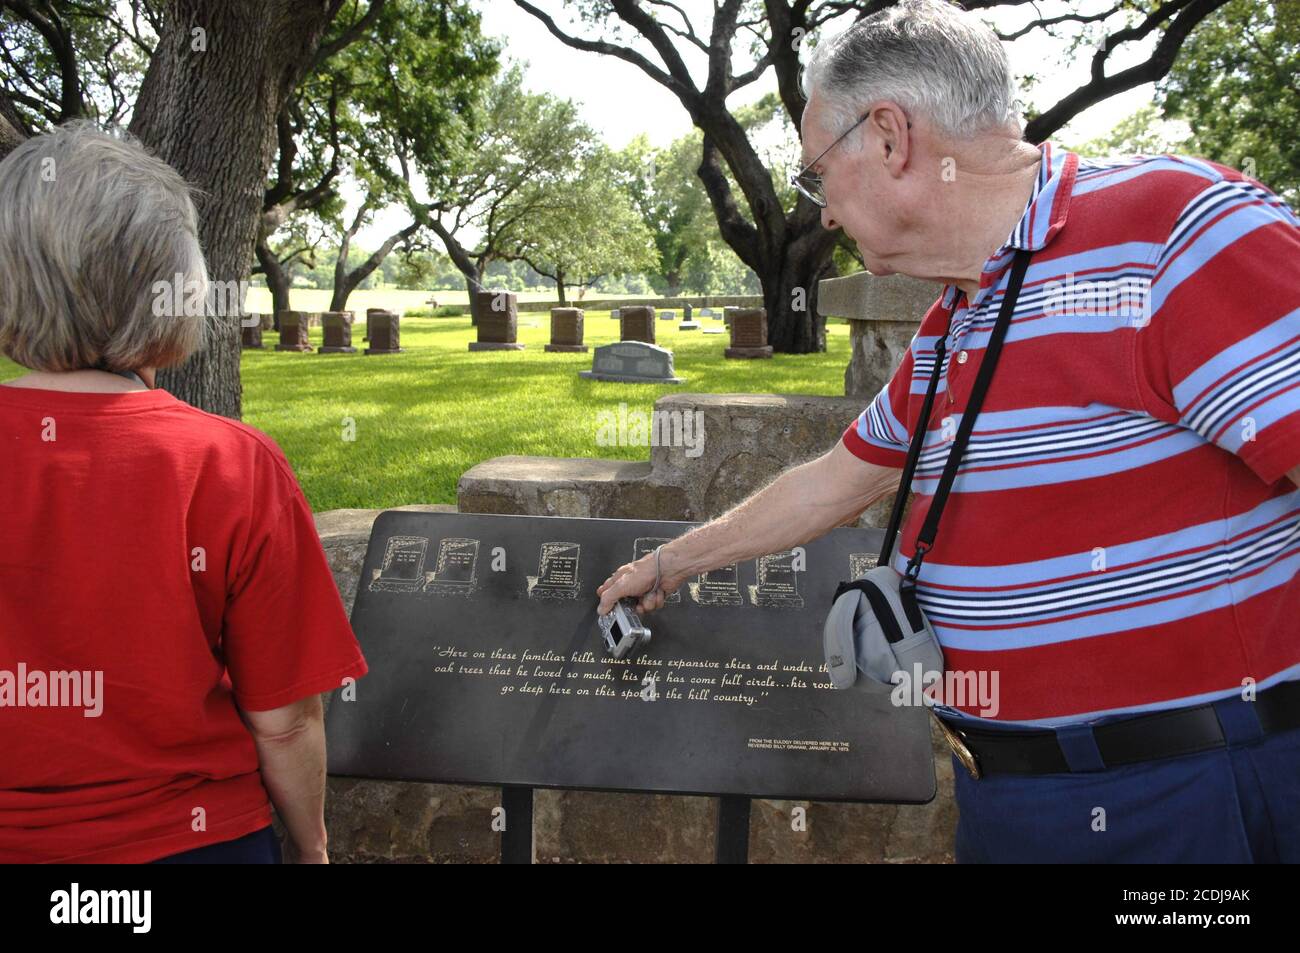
column 1239, row 804
column 259, row 847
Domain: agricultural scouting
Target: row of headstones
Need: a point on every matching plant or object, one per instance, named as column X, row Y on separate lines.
column 498, row 327
column 383, row 331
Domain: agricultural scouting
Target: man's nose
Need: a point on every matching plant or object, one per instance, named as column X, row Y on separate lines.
column 828, row 220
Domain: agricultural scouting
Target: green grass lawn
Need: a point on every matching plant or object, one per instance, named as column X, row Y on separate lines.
column 424, row 417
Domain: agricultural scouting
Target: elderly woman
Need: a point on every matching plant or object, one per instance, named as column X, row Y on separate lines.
column 167, row 617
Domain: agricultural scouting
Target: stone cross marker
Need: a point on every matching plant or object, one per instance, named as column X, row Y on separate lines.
column 498, row 321
column 383, row 332
column 632, row 362
column 293, row 331
column 566, row 331
column 637, row 323
column 748, row 333
column 337, row 329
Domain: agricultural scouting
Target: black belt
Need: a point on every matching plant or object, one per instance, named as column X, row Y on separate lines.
column 1162, row 734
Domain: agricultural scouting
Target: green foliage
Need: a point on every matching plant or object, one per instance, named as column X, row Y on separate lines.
column 1143, row 133
column 1235, row 83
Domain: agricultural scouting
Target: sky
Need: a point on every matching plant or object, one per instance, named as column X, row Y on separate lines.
column 619, row 101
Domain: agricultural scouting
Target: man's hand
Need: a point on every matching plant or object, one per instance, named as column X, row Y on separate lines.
column 636, row 580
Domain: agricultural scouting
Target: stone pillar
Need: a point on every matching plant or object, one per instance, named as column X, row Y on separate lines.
column 748, row 333
column 293, row 331
column 637, row 323
column 383, row 331
column 884, row 313
column 337, row 329
column 498, row 321
column 566, row 331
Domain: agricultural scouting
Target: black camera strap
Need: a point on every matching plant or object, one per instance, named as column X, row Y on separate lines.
column 925, row 538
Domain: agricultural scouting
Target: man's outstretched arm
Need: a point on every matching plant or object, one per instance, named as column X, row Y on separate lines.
column 797, row 507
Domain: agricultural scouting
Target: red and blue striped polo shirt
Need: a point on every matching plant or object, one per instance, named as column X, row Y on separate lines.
column 1121, row 536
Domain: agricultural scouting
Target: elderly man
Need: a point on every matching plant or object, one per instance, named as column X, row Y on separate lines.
column 1121, row 541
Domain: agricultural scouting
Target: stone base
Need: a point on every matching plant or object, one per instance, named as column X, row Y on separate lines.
column 743, row 352
column 494, row 346
column 385, row 350
column 688, row 326
column 713, row 330
column 566, row 348
column 625, row 379
column 303, row 348
column 336, row 350
column 253, row 347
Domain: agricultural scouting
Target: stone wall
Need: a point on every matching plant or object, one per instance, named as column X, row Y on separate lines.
column 749, row 440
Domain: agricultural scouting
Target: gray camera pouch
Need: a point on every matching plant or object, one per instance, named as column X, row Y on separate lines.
column 876, row 628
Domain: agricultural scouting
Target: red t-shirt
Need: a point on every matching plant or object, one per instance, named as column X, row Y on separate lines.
column 157, row 565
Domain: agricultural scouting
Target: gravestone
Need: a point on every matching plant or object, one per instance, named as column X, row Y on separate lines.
column 713, row 330
column 667, row 315
column 708, row 313
column 748, row 333
column 688, row 325
column 687, row 311
column 250, row 331
column 616, row 314
column 293, row 331
column 633, row 362
column 383, row 331
column 369, row 312
column 637, row 323
column 498, row 321
column 336, row 326
column 496, row 675
column 566, row 331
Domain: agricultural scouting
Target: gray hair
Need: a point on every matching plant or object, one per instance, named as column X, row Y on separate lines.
column 930, row 57
column 90, row 224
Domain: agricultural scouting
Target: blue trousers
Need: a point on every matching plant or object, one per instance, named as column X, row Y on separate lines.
column 259, row 847
column 1239, row 804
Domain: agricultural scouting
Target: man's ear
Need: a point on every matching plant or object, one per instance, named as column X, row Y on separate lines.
column 890, row 127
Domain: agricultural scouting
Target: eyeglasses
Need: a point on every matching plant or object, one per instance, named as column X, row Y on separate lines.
column 808, row 184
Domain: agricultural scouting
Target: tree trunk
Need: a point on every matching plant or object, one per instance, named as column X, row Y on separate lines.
column 559, row 287
column 277, row 279
column 474, row 284
column 208, row 103
column 12, row 133
column 790, row 295
column 345, row 282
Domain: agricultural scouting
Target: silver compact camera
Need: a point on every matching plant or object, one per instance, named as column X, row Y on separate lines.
column 624, row 634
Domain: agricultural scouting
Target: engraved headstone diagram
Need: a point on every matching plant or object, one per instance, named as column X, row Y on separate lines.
column 778, row 582
column 557, row 572
column 717, row 587
column 862, row 563
column 403, row 566
column 644, row 546
column 455, row 574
